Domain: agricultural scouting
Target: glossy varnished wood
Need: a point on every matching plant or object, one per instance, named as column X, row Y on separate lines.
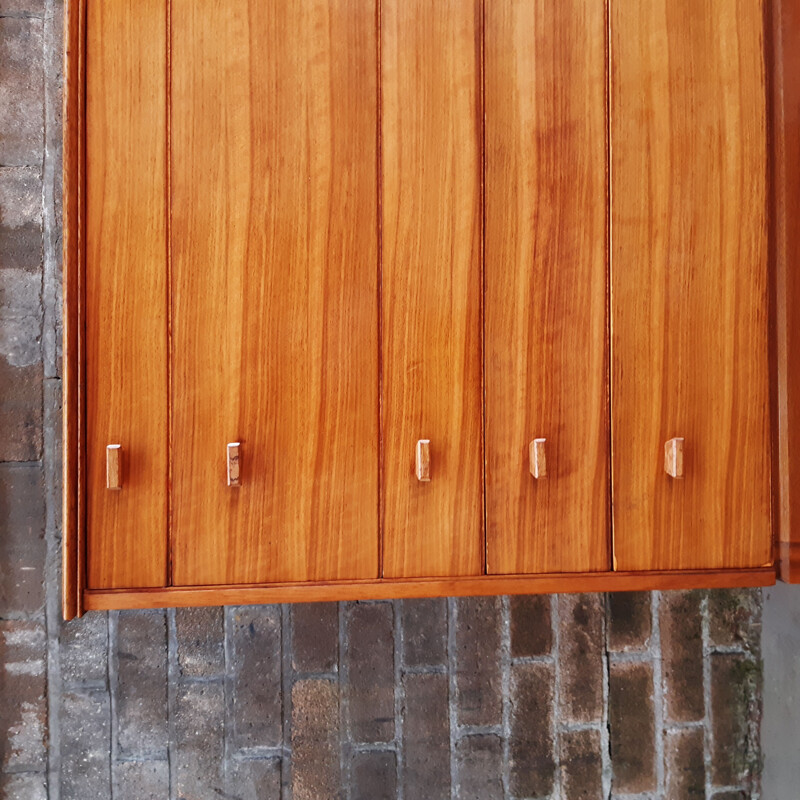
column 431, row 279
column 126, row 299
column 546, row 285
column 689, row 283
column 442, row 587
column 786, row 228
column 73, row 522
column 274, row 254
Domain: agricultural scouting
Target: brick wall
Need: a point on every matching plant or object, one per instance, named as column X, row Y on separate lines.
column 588, row 696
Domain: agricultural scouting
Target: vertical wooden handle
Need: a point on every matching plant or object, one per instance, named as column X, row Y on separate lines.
column 114, row 466
column 233, row 464
column 424, row 460
column 673, row 457
column 538, row 459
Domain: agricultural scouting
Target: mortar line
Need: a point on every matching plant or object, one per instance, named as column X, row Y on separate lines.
column 555, row 625
column 345, row 743
column 286, row 701
column 399, row 696
column 658, row 691
column 605, row 739
column 505, row 682
column 229, row 659
column 112, row 659
column 705, row 638
column 172, row 671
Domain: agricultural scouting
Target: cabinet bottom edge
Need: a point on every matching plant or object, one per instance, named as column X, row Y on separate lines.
column 253, row 594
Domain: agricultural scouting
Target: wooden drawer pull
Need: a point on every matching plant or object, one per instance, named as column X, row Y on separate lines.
column 538, row 458
column 673, row 457
column 233, row 464
column 424, row 460
column 114, row 466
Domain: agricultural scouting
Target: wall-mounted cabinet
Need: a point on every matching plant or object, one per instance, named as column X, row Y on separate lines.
column 383, row 298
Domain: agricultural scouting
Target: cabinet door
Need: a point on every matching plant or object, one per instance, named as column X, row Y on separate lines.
column 689, row 283
column 126, row 292
column 432, row 286
column 546, row 285
column 274, row 283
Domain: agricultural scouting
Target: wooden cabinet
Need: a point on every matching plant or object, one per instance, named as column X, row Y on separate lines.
column 383, row 298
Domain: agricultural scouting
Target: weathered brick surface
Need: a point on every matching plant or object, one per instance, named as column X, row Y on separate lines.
column 198, row 725
column 531, row 625
column 254, row 779
column 581, row 647
column 21, row 408
column 370, row 671
column 631, row 727
column 315, row 740
column 735, row 688
column 629, row 621
column 685, row 765
column 84, row 649
column 581, row 763
column 426, row 737
column 682, row 655
column 21, row 91
column 373, row 776
column 735, row 617
column 532, row 763
column 200, row 643
column 728, row 795
column 478, row 682
column 315, row 637
column 141, row 691
column 22, row 547
column 257, row 647
column 141, row 780
column 86, row 745
column 32, row 7
column 23, row 786
column 23, row 712
column 479, row 767
column 424, row 632
column 21, row 218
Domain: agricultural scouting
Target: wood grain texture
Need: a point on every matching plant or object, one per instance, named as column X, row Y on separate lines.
column 546, row 285
column 786, row 185
column 689, row 283
column 432, row 285
column 274, row 243
column 73, row 480
column 126, row 320
column 436, row 587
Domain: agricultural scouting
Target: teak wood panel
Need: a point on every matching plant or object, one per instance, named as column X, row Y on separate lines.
column 546, row 285
column 689, row 284
column 432, row 285
column 126, row 292
column 274, row 283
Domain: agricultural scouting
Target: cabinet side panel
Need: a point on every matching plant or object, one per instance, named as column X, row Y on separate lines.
column 546, row 285
column 432, row 285
column 689, row 283
column 126, row 321
column 274, row 242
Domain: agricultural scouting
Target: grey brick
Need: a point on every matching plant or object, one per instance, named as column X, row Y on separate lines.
column 532, row 763
column 21, row 409
column 22, row 547
column 85, row 745
column 315, row 637
column 479, row 767
column 83, row 649
column 374, row 776
column 21, row 91
column 629, row 621
column 257, row 706
column 199, row 722
column 200, row 642
column 32, row 7
column 581, row 649
column 256, row 779
column 23, row 710
column 426, row 737
column 20, row 320
column 21, row 218
column 424, row 632
column 141, row 685
column 531, row 625
column 23, row 786
column 478, row 683
column 315, row 740
column 370, row 672
column 141, row 780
